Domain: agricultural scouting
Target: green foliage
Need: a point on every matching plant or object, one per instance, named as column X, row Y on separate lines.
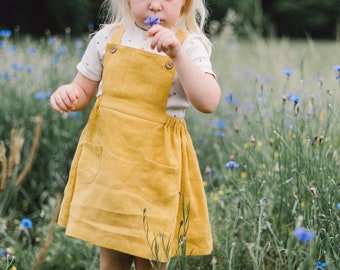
column 280, row 18
column 37, row 17
column 278, row 120
column 285, row 147
column 318, row 19
column 304, row 18
column 75, row 14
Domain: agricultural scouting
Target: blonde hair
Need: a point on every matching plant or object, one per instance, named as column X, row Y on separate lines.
column 193, row 16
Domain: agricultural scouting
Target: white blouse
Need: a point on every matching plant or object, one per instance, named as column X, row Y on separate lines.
column 91, row 64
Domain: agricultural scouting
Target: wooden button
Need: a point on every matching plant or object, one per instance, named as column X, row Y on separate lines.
column 113, row 49
column 169, row 65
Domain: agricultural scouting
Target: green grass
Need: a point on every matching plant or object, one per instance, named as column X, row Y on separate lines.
column 284, row 149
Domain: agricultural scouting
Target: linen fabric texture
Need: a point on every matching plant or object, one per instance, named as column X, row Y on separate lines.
column 135, row 171
column 91, row 64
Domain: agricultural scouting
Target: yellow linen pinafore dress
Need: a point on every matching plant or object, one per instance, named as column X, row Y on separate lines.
column 135, row 171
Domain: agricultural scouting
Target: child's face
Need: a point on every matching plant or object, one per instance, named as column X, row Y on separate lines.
column 167, row 10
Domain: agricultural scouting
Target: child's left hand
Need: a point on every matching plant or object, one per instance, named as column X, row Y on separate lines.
column 164, row 40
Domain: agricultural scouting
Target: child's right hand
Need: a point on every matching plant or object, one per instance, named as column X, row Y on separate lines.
column 65, row 98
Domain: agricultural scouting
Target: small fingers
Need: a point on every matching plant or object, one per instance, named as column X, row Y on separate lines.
column 58, row 104
column 163, row 40
column 54, row 104
column 64, row 99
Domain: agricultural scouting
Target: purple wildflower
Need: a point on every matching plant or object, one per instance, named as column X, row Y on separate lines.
column 75, row 115
column 303, row 234
column 5, row 33
column 52, row 40
column 288, row 72
column 231, row 164
column 31, row 51
column 337, row 68
column 11, row 49
column 152, row 21
column 294, row 98
column 5, row 76
column 42, row 95
column 264, row 201
column 221, row 124
column 229, row 98
column 62, row 49
column 239, row 204
column 78, row 43
column 90, row 26
column 219, row 134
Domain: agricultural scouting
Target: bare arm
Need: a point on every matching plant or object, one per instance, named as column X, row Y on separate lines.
column 201, row 88
column 74, row 96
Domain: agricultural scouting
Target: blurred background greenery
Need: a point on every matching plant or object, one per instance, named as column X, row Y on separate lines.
column 278, row 120
column 312, row 18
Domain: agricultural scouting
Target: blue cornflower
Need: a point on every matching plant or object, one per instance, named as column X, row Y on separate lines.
column 52, row 40
column 11, row 49
column 5, row 76
column 6, row 252
column 320, row 265
column 264, row 200
column 29, row 69
column 288, row 72
column 231, row 164
column 219, row 134
column 17, row 67
column 42, row 95
column 338, row 206
column 303, row 234
column 337, row 68
column 152, row 21
column 90, row 26
column 2, row 44
column 239, row 204
column 27, row 223
column 75, row 115
column 294, row 98
column 62, row 49
column 31, row 51
column 221, row 124
column 229, row 98
column 5, row 33
column 78, row 43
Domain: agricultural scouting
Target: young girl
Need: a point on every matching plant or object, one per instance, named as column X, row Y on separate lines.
column 135, row 188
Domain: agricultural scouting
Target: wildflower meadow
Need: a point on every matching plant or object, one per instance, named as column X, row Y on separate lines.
column 269, row 155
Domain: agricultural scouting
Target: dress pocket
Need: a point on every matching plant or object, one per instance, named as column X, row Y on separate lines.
column 89, row 162
column 159, row 184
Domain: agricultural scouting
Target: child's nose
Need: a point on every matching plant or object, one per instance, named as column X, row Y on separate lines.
column 155, row 5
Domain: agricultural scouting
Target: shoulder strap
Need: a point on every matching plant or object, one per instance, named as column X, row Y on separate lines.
column 117, row 34
column 181, row 34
